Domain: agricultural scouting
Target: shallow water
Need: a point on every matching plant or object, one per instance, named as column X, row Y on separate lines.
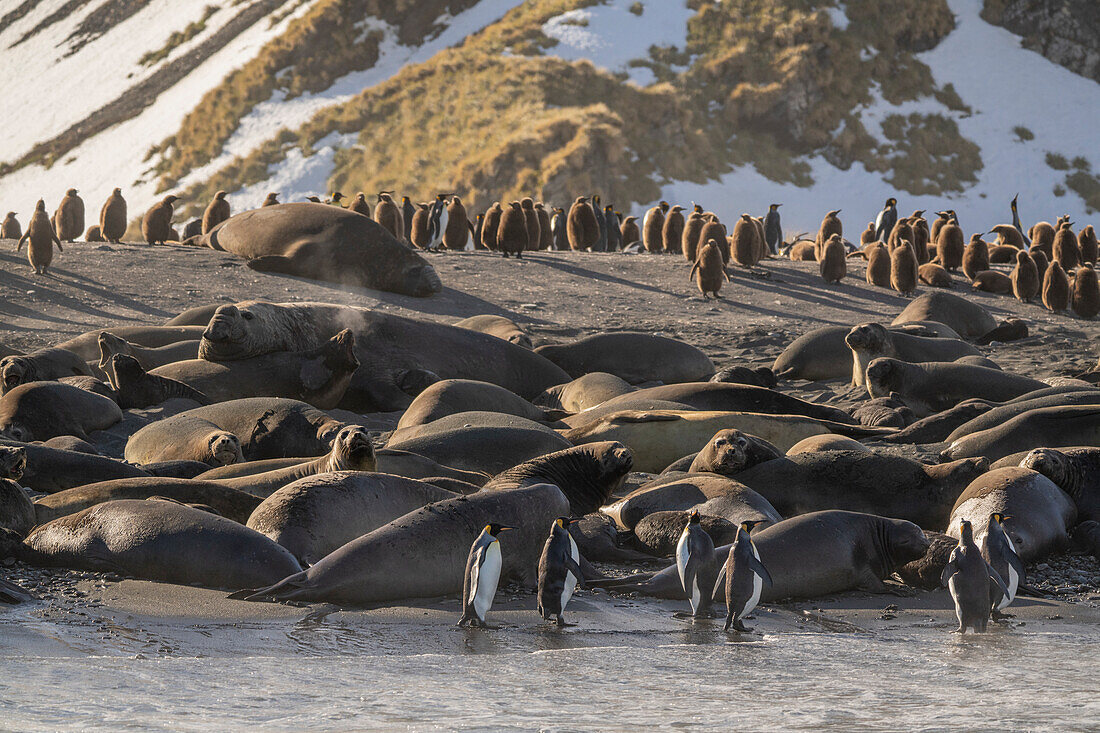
column 340, row 672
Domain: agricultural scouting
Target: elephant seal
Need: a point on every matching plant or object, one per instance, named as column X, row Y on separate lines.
column 849, row 550
column 318, row 514
column 659, row 437
column 934, row 386
column 399, row 356
column 149, row 358
column 935, row 428
column 499, row 326
column 423, row 554
column 480, row 441
column 13, row 461
column 263, row 427
column 1038, row 515
column 1044, row 427
column 658, row 533
column 634, row 357
column 598, row 539
column 326, row 243
column 227, row 502
column 43, row 410
column 592, row 472
column 758, row 377
column 40, row 366
column 925, row 572
column 47, row 469
column 724, row 497
column 584, row 392
column 968, row 319
column 86, row 345
column 16, row 510
column 1002, row 413
column 889, row 412
column 713, row 396
column 869, row 341
column 729, row 452
column 69, row 442
column 318, row 376
column 175, row 544
column 823, row 354
column 862, row 481
column 200, row 315
column 1075, row 471
column 827, row 442
column 137, row 388
column 352, row 450
column 450, row 396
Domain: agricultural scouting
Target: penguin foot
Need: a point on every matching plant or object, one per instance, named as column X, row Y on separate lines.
column 561, row 623
column 1001, row 618
column 705, row 615
column 738, row 626
column 682, row 614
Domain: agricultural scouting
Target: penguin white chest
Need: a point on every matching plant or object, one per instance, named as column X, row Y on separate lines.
column 683, row 555
column 757, row 588
column 570, row 583
column 487, row 578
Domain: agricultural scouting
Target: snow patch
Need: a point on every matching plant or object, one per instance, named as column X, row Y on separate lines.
column 296, row 176
column 839, row 16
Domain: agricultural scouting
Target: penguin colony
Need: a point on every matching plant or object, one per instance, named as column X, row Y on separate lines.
column 984, row 572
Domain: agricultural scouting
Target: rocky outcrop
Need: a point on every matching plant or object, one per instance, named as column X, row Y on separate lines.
column 1064, row 31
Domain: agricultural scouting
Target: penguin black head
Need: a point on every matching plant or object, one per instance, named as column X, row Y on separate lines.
column 999, row 518
column 891, row 202
column 564, row 522
column 495, row 529
column 664, row 206
column 336, row 196
column 966, row 531
column 596, row 199
column 1013, row 202
column 697, row 208
column 693, row 518
column 773, row 207
column 749, row 524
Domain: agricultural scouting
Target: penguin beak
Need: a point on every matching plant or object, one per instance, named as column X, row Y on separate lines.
column 505, row 529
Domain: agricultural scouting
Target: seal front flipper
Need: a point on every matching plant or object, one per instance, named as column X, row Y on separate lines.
column 286, row 589
column 12, row 593
column 280, row 264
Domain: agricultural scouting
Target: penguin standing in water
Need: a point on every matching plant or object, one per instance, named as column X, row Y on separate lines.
column 437, row 221
column 967, row 575
column 479, row 587
column 744, row 577
column 1000, row 553
column 601, row 221
column 886, row 219
column 559, row 571
column 695, row 563
column 773, row 229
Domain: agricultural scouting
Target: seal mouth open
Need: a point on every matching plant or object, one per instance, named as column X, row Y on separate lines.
column 11, row 381
column 15, row 463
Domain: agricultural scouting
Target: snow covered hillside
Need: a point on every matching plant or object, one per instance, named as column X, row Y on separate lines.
column 684, row 101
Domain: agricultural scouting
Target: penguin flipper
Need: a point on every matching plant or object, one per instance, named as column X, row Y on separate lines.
column 997, row 578
column 759, row 569
column 572, row 566
column 693, row 269
column 948, row 570
column 719, row 581
column 1017, row 565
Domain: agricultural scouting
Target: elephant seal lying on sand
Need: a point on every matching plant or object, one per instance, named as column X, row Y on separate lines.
column 935, row 386
column 967, row 319
column 38, row 366
column 86, row 345
column 227, row 502
column 635, row 357
column 175, row 544
column 1075, row 471
column 1049, row 427
column 710, row 493
column 326, row 243
column 451, row 396
column 848, row 550
column 149, row 358
column 399, row 356
column 499, row 326
column 44, row 410
column 869, row 341
column 584, row 392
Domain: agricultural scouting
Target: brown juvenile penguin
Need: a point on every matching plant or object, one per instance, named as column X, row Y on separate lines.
column 938, row 224
column 388, row 214
column 156, row 225
column 1042, row 237
column 1086, row 293
column 69, row 219
column 878, row 265
column 830, row 225
column 975, row 257
column 672, row 232
column 1040, row 260
column 689, row 238
column 490, row 226
column 904, row 270
column 1065, row 248
column 833, row 263
column 1008, row 235
column 1002, row 254
column 272, row 199
column 40, row 238
column 531, row 220
column 1025, row 278
column 512, row 236
column 992, row 281
column 1086, row 244
column 112, row 217
column 360, row 205
column 653, row 225
column 744, row 245
column 419, row 234
column 711, row 270
column 631, row 233
column 716, row 230
column 546, row 234
column 1056, row 292
column 94, row 234
column 867, row 235
column 932, row 274
column 457, row 231
column 804, row 250
column 901, row 231
column 216, row 212
column 920, row 235
column 581, row 228
column 950, row 245
column 10, row 229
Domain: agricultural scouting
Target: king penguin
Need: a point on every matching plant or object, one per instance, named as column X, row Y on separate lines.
column 601, row 241
column 559, row 571
column 967, row 576
column 886, row 219
column 695, row 563
column 744, row 576
column 1016, row 218
column 407, row 212
column 1000, row 553
column 479, row 587
column 437, row 221
column 773, row 230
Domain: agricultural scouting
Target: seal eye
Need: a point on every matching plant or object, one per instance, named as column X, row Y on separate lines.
column 247, row 316
column 742, row 442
